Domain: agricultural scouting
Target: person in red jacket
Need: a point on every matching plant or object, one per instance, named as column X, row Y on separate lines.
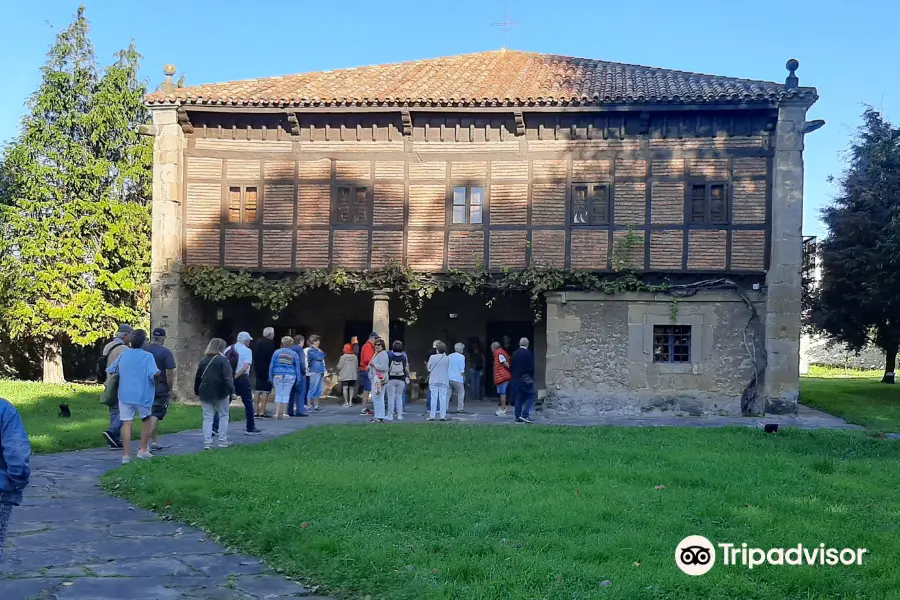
column 502, row 375
column 365, row 383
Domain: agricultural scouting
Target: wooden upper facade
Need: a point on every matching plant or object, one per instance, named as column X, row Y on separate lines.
column 662, row 186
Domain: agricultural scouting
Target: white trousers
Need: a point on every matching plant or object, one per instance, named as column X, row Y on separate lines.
column 440, row 394
column 395, row 389
column 209, row 410
column 378, row 399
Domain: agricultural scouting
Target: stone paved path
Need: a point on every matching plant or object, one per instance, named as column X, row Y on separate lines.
column 71, row 541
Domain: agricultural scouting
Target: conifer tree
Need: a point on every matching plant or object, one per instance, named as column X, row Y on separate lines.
column 75, row 190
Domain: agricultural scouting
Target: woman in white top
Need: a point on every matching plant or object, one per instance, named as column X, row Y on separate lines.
column 378, row 375
column 439, row 381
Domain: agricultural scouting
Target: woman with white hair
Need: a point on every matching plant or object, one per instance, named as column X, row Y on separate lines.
column 457, row 375
column 439, row 382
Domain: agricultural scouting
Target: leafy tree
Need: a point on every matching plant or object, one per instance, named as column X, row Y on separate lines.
column 859, row 299
column 75, row 189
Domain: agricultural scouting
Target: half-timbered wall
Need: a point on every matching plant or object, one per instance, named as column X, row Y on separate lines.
column 283, row 192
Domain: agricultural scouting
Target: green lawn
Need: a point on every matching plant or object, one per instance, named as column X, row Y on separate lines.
column 860, row 398
column 446, row 511
column 38, row 403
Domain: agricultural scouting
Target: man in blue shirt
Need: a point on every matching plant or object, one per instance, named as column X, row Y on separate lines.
column 297, row 405
column 165, row 362
column 522, row 383
column 136, row 369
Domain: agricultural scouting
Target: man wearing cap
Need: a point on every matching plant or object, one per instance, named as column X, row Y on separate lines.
column 165, row 362
column 111, row 351
column 366, row 353
column 242, row 378
column 262, row 356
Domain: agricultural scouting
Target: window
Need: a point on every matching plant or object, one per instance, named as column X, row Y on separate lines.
column 708, row 204
column 468, row 205
column 242, row 203
column 352, row 206
column 590, row 204
column 672, row 343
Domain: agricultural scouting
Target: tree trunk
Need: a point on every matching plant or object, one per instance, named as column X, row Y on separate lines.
column 890, row 363
column 53, row 366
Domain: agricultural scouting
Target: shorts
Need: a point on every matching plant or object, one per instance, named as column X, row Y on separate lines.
column 502, row 387
column 160, row 406
column 364, row 381
column 263, row 385
column 128, row 411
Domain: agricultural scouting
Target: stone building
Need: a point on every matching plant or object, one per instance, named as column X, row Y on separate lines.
column 511, row 160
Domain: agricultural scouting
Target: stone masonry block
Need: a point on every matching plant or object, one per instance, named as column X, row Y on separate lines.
column 566, row 325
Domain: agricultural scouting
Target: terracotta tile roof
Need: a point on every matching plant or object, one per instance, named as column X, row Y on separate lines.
column 497, row 78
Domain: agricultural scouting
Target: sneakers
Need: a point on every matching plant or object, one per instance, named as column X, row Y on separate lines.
column 500, row 412
column 155, row 446
column 316, row 409
column 302, row 415
column 525, row 420
column 144, row 454
column 443, row 418
column 366, row 411
column 224, row 444
column 207, row 446
column 377, row 421
column 430, row 419
column 389, row 418
column 126, row 460
column 254, row 432
column 113, row 443
column 399, row 417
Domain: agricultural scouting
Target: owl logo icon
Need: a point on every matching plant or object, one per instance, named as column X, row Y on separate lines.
column 695, row 555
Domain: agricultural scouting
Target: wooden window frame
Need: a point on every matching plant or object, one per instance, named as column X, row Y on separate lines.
column 468, row 204
column 242, row 210
column 354, row 206
column 664, row 336
column 590, row 201
column 707, row 202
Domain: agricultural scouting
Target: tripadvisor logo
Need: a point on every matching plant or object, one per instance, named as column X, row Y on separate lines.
column 696, row 555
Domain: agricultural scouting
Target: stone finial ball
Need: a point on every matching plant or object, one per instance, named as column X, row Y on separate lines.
column 792, row 65
column 169, row 70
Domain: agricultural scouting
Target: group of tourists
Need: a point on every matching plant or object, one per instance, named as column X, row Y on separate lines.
column 139, row 377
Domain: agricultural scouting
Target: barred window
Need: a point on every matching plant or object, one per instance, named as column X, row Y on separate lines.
column 672, row 343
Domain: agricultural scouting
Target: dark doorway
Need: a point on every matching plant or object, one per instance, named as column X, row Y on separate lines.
column 362, row 329
column 508, row 334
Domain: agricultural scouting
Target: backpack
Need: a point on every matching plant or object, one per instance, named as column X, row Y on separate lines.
column 232, row 356
column 397, row 367
column 102, row 364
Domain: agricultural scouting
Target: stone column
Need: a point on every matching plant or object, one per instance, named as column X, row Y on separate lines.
column 784, row 288
column 381, row 314
column 171, row 306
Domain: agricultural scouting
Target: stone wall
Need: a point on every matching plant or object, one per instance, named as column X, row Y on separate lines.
column 171, row 306
column 600, row 353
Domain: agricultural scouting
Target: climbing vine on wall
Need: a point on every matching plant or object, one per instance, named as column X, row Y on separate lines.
column 217, row 284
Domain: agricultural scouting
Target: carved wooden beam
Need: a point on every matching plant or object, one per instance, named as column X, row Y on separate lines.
column 407, row 122
column 184, row 120
column 520, row 122
column 294, row 122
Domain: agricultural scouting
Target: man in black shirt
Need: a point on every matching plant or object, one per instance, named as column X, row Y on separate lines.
column 262, row 356
column 522, row 383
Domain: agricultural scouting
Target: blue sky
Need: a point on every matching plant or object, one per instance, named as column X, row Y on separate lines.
column 848, row 50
